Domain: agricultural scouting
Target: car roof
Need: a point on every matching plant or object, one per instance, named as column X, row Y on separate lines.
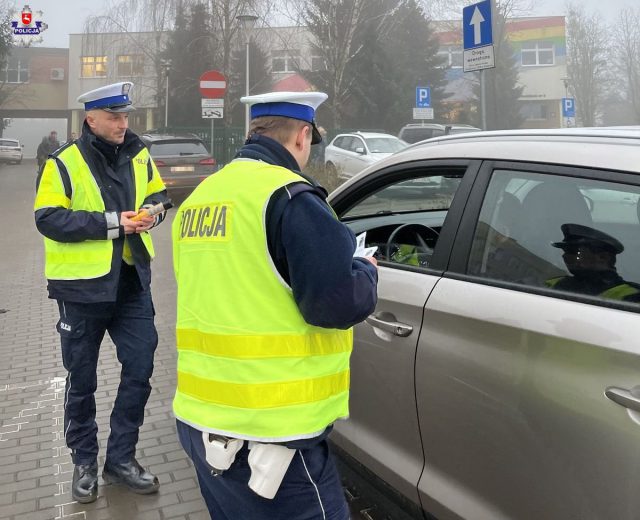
column 368, row 134
column 611, row 148
column 9, row 139
column 169, row 137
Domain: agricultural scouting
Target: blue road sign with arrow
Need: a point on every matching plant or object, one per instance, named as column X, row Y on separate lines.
column 477, row 29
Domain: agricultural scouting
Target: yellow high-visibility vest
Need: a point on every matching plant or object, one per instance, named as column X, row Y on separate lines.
column 90, row 258
column 249, row 366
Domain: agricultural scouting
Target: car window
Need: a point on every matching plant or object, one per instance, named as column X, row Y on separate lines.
column 384, row 145
column 568, row 234
column 339, row 142
column 356, row 143
column 345, row 143
column 403, row 219
column 8, row 142
column 177, row 148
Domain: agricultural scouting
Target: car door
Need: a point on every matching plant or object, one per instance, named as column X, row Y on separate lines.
column 342, row 153
column 359, row 158
column 528, row 392
column 410, row 212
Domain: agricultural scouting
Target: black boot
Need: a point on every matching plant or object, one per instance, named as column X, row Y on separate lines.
column 84, row 486
column 132, row 475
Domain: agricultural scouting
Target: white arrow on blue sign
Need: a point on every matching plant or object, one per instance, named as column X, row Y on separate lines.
column 423, row 97
column 568, row 107
column 476, row 22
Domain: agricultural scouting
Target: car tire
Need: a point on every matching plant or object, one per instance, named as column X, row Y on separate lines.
column 331, row 168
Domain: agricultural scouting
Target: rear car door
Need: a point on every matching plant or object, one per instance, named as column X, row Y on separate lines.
column 528, row 393
column 410, row 212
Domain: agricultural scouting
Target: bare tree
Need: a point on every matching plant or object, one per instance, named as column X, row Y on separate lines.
column 627, row 56
column 587, row 47
column 140, row 25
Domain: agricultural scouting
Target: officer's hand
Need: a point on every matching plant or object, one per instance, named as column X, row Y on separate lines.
column 146, row 223
column 129, row 225
column 372, row 259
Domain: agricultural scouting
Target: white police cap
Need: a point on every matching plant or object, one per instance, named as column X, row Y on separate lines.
column 112, row 98
column 296, row 105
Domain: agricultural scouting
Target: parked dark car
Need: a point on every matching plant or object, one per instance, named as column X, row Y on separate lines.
column 414, row 132
column 183, row 161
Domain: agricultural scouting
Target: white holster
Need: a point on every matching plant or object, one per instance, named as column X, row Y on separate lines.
column 268, row 463
column 220, row 451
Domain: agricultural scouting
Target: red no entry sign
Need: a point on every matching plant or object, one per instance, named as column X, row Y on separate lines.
column 213, row 84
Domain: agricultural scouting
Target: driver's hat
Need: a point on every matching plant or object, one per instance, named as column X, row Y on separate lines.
column 577, row 235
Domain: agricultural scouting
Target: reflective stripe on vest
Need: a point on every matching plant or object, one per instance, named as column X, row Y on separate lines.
column 249, row 366
column 620, row 292
column 91, row 258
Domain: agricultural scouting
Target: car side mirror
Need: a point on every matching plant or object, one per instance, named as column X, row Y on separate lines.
column 360, row 150
column 22, row 145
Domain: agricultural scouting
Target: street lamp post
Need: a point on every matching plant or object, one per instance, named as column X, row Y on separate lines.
column 166, row 65
column 247, row 21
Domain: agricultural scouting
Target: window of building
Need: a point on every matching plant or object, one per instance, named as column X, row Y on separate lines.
column 534, row 110
column 130, row 65
column 537, row 53
column 452, row 57
column 94, row 66
column 285, row 60
column 318, row 63
column 16, row 71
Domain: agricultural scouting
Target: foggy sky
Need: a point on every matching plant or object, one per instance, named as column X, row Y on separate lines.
column 67, row 16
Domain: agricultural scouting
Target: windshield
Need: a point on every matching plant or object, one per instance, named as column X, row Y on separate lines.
column 385, row 144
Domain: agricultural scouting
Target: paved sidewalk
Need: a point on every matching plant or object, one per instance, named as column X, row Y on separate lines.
column 35, row 467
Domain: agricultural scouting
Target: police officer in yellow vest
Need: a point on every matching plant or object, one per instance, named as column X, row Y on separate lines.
column 268, row 290
column 590, row 257
column 97, row 263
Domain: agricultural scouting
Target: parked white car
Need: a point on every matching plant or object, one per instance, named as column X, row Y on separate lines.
column 349, row 154
column 10, row 151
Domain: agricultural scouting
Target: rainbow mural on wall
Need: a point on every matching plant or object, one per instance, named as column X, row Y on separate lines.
column 547, row 28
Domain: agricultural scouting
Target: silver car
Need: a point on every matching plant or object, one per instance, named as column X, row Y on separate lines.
column 348, row 154
column 499, row 377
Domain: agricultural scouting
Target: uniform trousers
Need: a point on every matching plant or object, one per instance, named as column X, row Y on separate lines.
column 129, row 322
column 310, row 490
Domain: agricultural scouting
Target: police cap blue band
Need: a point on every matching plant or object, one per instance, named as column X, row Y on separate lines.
column 107, row 102
column 292, row 110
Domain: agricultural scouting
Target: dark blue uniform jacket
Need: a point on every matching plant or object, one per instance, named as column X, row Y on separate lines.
column 112, row 169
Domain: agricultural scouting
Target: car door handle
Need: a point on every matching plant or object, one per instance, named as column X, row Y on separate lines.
column 623, row 398
column 393, row 327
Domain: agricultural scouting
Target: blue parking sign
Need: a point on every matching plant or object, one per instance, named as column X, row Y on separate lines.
column 568, row 107
column 423, row 97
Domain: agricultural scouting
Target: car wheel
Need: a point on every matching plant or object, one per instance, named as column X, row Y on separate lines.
column 331, row 168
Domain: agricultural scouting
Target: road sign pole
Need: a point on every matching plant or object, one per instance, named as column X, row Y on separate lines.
column 483, row 98
column 212, row 139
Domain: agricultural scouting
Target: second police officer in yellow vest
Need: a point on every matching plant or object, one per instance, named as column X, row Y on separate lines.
column 97, row 263
column 268, row 290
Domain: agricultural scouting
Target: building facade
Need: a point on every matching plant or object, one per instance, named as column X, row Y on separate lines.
column 540, row 52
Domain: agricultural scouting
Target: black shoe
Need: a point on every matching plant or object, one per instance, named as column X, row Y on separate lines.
column 84, row 486
column 132, row 475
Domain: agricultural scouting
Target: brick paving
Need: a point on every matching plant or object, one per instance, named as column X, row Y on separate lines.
column 35, row 466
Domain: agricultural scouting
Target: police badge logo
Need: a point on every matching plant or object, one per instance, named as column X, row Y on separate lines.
column 26, row 30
